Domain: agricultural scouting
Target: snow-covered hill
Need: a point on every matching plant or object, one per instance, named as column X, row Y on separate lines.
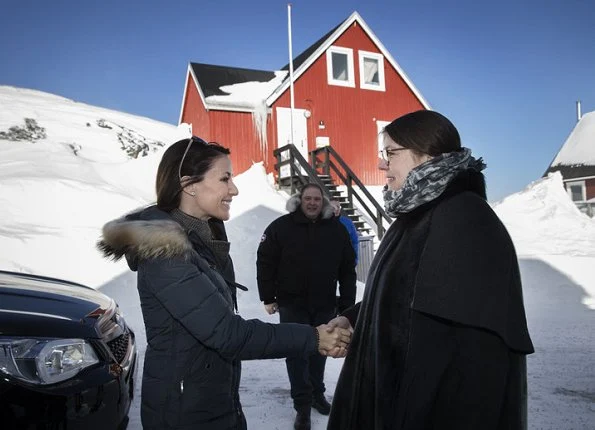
column 56, row 192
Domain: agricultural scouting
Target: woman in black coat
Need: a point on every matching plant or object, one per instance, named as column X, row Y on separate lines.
column 440, row 336
column 188, row 296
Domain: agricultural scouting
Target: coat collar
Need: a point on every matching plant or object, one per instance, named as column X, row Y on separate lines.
column 294, row 202
column 150, row 233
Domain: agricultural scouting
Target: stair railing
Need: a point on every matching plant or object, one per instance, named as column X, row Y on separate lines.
column 296, row 160
column 329, row 161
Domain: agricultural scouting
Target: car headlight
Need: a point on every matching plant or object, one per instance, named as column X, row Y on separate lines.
column 45, row 361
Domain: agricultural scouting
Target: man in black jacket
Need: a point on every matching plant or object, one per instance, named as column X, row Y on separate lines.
column 301, row 257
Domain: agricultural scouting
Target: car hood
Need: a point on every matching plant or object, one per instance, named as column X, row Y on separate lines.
column 45, row 307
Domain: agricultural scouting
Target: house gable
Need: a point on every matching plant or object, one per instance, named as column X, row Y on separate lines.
column 345, row 117
column 193, row 110
column 191, row 84
column 321, row 46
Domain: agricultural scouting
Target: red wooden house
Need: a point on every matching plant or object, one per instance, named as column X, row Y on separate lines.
column 347, row 86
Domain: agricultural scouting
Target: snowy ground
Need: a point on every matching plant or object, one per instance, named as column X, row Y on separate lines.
column 561, row 375
column 55, row 193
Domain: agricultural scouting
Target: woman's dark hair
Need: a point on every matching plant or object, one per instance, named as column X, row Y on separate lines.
column 196, row 156
column 425, row 132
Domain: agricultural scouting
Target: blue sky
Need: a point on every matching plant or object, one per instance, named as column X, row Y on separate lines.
column 507, row 73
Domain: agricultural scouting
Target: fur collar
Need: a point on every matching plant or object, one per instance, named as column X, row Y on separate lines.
column 143, row 239
column 294, row 203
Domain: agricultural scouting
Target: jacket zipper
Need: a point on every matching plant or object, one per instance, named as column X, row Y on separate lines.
column 235, row 387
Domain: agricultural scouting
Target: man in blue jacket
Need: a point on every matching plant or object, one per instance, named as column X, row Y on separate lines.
column 301, row 257
column 346, row 221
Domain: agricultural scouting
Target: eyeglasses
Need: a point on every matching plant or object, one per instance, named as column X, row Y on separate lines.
column 199, row 141
column 386, row 153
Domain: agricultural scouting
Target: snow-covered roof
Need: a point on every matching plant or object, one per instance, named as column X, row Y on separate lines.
column 249, row 95
column 576, row 158
column 231, row 88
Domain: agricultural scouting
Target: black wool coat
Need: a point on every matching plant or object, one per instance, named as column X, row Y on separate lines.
column 195, row 340
column 300, row 261
column 441, row 335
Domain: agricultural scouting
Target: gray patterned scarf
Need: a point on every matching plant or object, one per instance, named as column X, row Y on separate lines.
column 428, row 180
column 219, row 247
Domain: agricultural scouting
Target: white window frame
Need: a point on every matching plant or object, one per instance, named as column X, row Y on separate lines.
column 350, row 82
column 362, row 79
column 583, row 189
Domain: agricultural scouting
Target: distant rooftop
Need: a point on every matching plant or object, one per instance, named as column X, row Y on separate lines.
column 576, row 158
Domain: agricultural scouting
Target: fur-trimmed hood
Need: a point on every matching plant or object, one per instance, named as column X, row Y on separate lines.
column 294, row 202
column 153, row 235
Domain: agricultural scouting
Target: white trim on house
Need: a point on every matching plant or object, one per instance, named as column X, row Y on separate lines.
column 355, row 17
column 184, row 97
column 362, row 55
column 189, row 73
column 230, row 108
column 348, row 52
column 582, row 178
column 574, row 183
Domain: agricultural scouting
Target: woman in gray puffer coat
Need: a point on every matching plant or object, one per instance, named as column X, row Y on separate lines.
column 187, row 292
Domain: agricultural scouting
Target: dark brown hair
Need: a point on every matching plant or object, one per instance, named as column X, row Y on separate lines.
column 425, row 132
column 198, row 160
column 312, row 185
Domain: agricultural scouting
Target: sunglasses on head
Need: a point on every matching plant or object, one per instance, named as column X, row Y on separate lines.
column 197, row 140
column 386, row 153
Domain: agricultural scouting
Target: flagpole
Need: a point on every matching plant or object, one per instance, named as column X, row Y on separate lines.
column 290, row 71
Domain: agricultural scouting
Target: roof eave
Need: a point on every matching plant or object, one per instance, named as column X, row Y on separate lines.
column 198, row 88
column 229, row 107
column 184, row 97
column 573, row 172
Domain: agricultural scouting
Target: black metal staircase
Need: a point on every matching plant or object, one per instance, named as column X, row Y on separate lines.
column 346, row 206
column 294, row 171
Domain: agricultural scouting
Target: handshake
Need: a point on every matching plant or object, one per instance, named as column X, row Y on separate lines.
column 334, row 337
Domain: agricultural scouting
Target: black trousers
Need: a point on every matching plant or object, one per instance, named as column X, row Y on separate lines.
column 306, row 373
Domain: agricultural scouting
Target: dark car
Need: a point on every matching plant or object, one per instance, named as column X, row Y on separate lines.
column 67, row 357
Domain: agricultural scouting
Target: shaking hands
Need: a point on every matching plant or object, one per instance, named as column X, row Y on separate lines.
column 335, row 337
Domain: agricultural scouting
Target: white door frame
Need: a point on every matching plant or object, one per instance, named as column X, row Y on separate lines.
column 300, row 134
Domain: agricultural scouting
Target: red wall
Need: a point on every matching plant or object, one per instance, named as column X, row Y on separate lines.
column 195, row 113
column 350, row 113
column 590, row 188
column 236, row 131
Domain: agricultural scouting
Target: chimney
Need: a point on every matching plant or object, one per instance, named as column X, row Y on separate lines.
column 578, row 111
